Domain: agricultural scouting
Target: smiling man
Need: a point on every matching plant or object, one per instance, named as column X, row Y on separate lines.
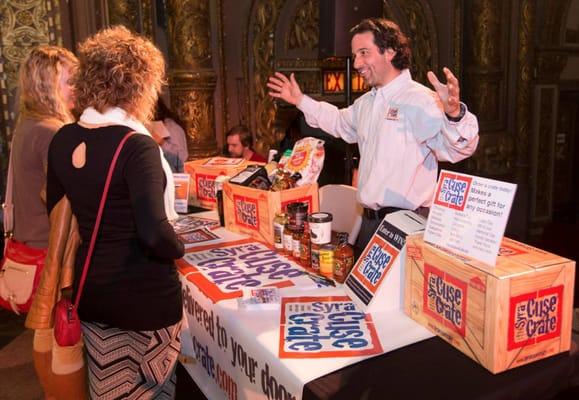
column 402, row 127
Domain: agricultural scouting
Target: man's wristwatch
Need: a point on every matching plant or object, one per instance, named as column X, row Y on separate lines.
column 460, row 115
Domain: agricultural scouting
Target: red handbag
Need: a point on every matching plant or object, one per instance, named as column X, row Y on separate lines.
column 19, row 275
column 66, row 322
column 22, row 265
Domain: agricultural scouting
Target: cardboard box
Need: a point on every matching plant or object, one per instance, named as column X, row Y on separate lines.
column 251, row 211
column 502, row 317
column 203, row 173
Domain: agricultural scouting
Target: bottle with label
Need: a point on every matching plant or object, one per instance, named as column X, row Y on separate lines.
column 315, row 257
column 296, row 240
column 288, row 240
column 279, row 223
column 343, row 258
column 305, row 247
column 284, row 158
column 327, row 260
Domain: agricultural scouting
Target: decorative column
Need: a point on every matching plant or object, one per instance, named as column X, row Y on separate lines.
column 192, row 79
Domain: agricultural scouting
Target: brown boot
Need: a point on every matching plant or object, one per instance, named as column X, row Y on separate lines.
column 71, row 386
column 43, row 367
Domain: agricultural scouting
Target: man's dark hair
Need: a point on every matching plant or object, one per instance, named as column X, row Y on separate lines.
column 244, row 133
column 387, row 35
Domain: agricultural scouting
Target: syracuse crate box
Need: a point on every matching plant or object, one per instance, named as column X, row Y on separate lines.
column 251, row 211
column 505, row 316
column 203, row 173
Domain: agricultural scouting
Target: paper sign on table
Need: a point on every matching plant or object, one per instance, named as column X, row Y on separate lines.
column 469, row 215
column 322, row 327
column 181, row 192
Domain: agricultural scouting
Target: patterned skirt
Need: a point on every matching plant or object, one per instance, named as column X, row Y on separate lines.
column 131, row 364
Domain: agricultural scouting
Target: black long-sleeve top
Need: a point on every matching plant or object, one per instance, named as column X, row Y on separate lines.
column 132, row 281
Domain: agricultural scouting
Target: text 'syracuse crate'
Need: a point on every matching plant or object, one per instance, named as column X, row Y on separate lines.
column 203, row 173
column 251, row 211
column 505, row 316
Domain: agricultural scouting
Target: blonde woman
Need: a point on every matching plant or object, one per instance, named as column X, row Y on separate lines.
column 131, row 306
column 46, row 101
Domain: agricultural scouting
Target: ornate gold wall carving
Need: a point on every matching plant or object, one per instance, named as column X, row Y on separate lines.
column 485, row 73
column 136, row 15
column 265, row 14
column 192, row 79
column 416, row 20
column 524, row 85
column 420, row 22
column 305, row 32
column 23, row 25
column 543, row 186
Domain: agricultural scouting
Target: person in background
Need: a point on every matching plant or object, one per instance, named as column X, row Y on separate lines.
column 240, row 144
column 131, row 306
column 46, row 103
column 166, row 129
column 402, row 128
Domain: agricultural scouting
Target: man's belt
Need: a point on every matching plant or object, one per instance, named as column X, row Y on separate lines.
column 380, row 213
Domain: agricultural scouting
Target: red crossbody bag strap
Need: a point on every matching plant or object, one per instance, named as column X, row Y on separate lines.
column 99, row 217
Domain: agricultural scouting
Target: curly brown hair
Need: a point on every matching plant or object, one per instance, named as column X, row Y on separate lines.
column 39, row 83
column 387, row 35
column 119, row 68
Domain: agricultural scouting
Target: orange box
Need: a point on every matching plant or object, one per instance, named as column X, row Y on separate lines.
column 251, row 211
column 203, row 173
column 502, row 317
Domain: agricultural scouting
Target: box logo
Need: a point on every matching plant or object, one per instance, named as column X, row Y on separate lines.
column 506, row 251
column 535, row 317
column 377, row 259
column 205, row 187
column 246, row 212
column 445, row 298
column 452, row 191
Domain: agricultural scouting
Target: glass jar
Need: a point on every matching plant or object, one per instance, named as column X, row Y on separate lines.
column 297, row 214
column 327, row 260
column 279, row 223
column 343, row 258
column 296, row 239
column 320, row 227
column 287, row 240
column 305, row 248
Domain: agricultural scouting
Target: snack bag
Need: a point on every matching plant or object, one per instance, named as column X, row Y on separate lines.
column 307, row 158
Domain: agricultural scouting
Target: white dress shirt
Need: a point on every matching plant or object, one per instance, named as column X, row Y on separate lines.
column 402, row 132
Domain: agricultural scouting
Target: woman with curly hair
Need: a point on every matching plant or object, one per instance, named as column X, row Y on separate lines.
column 131, row 306
column 46, row 101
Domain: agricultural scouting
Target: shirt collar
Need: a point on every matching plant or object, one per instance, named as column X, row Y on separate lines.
column 113, row 115
column 394, row 84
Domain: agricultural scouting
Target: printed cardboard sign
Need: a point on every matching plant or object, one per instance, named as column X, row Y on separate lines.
column 535, row 317
column 198, row 235
column 181, row 192
column 223, row 161
column 320, row 327
column 375, row 262
column 190, row 223
column 469, row 215
column 223, row 270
